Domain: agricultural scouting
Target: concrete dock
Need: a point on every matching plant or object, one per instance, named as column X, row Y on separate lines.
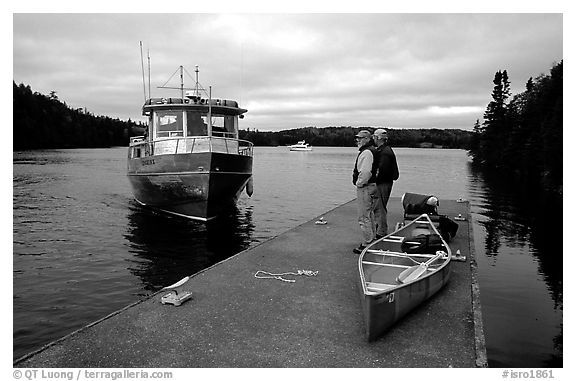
column 237, row 320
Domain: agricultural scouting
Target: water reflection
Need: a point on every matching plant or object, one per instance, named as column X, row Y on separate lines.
column 166, row 249
column 523, row 229
column 519, row 216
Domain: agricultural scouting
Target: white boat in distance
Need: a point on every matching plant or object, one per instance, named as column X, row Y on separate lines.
column 300, row 146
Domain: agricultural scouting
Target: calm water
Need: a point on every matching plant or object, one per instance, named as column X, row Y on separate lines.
column 82, row 248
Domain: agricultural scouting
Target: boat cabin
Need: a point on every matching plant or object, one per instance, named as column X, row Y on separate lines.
column 190, row 125
column 189, row 117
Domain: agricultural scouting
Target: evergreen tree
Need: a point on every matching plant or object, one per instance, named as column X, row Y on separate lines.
column 523, row 138
column 494, row 131
column 475, row 139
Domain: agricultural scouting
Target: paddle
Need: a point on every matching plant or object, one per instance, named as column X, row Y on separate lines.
column 415, row 272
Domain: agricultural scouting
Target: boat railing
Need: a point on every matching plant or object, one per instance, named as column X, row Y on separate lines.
column 140, row 147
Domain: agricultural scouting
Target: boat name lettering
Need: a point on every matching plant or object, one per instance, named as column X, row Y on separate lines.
column 148, row 162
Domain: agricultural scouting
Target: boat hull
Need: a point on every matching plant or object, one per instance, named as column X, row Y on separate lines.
column 195, row 185
column 300, row 149
column 385, row 298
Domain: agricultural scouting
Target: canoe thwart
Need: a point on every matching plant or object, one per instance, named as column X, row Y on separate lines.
column 384, row 264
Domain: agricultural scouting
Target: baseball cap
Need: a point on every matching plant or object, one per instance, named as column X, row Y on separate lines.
column 364, row 134
column 381, row 133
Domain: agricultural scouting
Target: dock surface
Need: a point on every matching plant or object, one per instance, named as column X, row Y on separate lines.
column 237, row 320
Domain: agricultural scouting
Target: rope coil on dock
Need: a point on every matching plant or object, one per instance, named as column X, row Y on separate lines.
column 268, row 275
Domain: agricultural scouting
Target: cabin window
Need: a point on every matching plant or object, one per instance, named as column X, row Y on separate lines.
column 169, row 123
column 196, row 124
column 230, row 124
column 224, row 125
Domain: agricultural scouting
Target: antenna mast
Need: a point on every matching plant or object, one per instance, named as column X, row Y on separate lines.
column 197, row 91
column 142, row 62
column 182, row 81
column 149, row 87
column 197, row 88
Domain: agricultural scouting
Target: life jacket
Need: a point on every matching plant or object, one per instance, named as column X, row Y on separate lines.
column 356, row 173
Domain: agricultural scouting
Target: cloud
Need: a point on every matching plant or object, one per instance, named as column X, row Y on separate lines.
column 292, row 70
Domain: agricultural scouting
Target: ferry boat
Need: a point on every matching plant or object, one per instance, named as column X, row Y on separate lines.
column 190, row 162
column 300, row 146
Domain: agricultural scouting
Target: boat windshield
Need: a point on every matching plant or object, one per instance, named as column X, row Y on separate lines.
column 196, row 124
column 224, row 125
column 170, row 123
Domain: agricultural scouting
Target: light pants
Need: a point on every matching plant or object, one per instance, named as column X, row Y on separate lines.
column 381, row 211
column 367, row 197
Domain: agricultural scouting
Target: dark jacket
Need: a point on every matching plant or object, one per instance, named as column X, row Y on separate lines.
column 387, row 165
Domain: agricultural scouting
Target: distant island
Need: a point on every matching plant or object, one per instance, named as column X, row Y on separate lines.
column 344, row 137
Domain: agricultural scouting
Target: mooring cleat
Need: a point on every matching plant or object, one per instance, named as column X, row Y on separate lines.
column 177, row 295
column 176, row 299
column 458, row 257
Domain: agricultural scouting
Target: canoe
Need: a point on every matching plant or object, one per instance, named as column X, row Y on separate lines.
column 400, row 271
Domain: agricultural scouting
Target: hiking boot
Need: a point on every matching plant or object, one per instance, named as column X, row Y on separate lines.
column 359, row 249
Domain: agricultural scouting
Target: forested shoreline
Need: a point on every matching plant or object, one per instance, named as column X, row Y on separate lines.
column 521, row 135
column 43, row 121
column 344, row 137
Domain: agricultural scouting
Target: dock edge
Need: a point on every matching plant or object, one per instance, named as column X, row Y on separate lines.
column 479, row 339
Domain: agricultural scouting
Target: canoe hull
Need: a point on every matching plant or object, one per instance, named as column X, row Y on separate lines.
column 383, row 310
column 386, row 298
column 198, row 186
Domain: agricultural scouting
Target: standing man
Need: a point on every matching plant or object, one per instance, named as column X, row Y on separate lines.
column 364, row 178
column 387, row 174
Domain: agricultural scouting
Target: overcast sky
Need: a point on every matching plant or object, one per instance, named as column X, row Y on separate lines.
column 291, row 70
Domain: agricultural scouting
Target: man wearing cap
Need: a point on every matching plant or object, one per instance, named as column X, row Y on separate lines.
column 386, row 175
column 364, row 178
